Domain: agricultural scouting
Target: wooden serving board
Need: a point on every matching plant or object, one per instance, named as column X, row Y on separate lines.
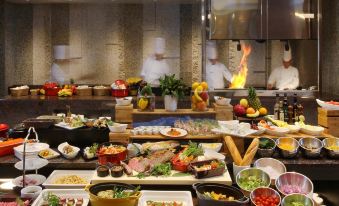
column 152, row 180
column 211, row 136
column 294, row 135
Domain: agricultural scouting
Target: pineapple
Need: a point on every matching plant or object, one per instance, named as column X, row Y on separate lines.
column 253, row 100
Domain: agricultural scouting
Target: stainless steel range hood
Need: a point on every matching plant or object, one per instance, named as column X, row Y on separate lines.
column 263, row 19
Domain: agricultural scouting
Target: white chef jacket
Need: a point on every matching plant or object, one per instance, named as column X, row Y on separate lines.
column 215, row 75
column 284, row 78
column 57, row 75
column 153, row 69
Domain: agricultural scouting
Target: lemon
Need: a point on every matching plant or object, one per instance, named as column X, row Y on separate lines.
column 195, row 85
column 204, row 85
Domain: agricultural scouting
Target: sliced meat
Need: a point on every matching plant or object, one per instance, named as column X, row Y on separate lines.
column 139, row 164
column 159, row 157
column 128, row 170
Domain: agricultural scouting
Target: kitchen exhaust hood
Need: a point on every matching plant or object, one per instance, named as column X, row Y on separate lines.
column 263, row 19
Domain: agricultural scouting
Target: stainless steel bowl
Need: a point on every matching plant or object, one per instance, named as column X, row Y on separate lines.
column 266, row 152
column 295, row 180
column 328, row 142
column 311, row 146
column 269, row 164
column 289, row 141
column 249, row 173
column 264, row 191
column 289, row 199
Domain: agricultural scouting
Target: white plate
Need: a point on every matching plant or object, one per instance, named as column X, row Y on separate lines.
column 179, row 196
column 86, row 174
column 53, row 153
column 225, row 132
column 278, row 131
column 66, row 193
column 39, row 179
column 166, row 130
column 315, row 131
column 32, row 147
column 293, row 128
column 33, row 163
column 67, row 126
column 326, row 105
column 68, row 156
column 261, row 130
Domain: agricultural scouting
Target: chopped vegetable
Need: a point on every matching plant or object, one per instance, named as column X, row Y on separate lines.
column 265, row 144
column 297, row 204
column 251, row 182
column 218, row 196
column 192, row 150
column 163, row 203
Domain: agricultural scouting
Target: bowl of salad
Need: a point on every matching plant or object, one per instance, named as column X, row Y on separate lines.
column 252, row 178
column 297, row 200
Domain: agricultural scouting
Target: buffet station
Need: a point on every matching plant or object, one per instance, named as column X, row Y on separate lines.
column 223, row 154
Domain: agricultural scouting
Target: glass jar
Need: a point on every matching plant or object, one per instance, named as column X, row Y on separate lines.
column 146, row 103
column 200, row 101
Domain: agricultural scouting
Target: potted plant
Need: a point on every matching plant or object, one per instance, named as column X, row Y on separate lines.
column 172, row 90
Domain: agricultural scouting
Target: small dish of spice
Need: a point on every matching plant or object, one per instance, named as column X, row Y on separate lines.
column 102, row 171
column 117, row 171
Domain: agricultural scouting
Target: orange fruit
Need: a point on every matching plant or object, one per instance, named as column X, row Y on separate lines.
column 204, row 85
column 201, row 106
column 263, row 111
column 250, row 110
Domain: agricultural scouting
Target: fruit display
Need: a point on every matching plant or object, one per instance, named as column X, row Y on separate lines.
column 250, row 107
column 65, row 93
column 200, row 97
column 146, row 99
column 50, row 89
column 119, row 88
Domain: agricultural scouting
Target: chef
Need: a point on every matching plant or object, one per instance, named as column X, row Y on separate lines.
column 216, row 72
column 284, row 77
column 60, row 52
column 155, row 66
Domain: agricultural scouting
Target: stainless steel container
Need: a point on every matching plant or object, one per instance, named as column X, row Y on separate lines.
column 293, row 182
column 311, row 147
column 288, row 141
column 328, row 144
column 266, row 191
column 269, row 164
column 252, row 173
column 266, row 152
column 289, row 199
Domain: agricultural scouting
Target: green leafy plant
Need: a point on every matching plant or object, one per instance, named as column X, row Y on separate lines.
column 170, row 85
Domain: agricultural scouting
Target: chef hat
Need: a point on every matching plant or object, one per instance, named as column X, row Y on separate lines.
column 159, row 45
column 287, row 55
column 211, row 50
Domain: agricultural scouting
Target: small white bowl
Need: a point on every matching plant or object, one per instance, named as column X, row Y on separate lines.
column 68, row 156
column 212, row 146
column 124, row 101
column 149, row 131
column 118, row 128
column 31, row 192
column 211, row 154
column 222, row 101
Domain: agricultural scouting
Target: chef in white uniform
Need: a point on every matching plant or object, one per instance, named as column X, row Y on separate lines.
column 216, row 72
column 155, row 66
column 284, row 77
column 60, row 52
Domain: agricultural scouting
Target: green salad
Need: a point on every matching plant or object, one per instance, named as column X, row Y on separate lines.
column 297, row 203
column 251, row 182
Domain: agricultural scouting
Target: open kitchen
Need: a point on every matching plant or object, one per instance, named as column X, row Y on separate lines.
column 169, row 102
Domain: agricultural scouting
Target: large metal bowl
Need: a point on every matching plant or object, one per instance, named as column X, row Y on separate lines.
column 311, row 146
column 290, row 141
column 289, row 199
column 266, row 152
column 294, row 180
column 252, row 172
column 328, row 142
column 264, row 191
column 269, row 164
